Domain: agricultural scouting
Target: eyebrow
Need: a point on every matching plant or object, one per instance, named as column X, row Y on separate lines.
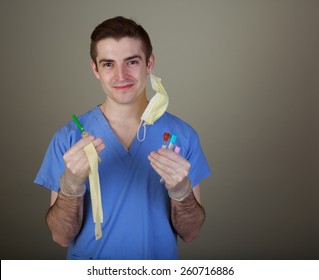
column 102, row 60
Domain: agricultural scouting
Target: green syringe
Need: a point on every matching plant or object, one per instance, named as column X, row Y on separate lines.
column 79, row 125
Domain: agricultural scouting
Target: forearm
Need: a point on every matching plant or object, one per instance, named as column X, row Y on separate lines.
column 64, row 218
column 187, row 217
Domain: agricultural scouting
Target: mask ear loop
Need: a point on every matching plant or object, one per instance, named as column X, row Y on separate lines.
column 142, row 123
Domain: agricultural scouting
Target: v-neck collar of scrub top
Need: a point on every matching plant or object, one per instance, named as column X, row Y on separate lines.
column 113, row 140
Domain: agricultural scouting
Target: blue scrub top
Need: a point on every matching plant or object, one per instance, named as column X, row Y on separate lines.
column 136, row 206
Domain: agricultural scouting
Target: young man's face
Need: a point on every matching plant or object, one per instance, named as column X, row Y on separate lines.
column 122, row 69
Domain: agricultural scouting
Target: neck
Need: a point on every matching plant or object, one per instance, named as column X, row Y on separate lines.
column 124, row 119
column 115, row 112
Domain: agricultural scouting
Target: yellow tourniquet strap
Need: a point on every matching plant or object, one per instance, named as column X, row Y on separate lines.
column 95, row 189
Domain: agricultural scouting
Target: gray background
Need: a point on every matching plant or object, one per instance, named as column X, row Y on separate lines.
column 244, row 74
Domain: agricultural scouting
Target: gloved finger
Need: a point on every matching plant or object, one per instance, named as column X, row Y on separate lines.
column 80, row 144
column 78, row 166
column 172, row 174
column 98, row 144
column 170, row 154
column 160, row 163
column 172, row 178
column 169, row 160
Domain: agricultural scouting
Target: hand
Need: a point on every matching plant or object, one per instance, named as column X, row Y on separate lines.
column 174, row 169
column 77, row 166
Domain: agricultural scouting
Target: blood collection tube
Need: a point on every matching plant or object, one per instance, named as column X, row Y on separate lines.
column 172, row 142
column 177, row 149
column 172, row 147
column 166, row 136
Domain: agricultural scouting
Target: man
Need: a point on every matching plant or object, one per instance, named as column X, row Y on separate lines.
column 141, row 216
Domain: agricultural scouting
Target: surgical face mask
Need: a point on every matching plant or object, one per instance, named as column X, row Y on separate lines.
column 156, row 107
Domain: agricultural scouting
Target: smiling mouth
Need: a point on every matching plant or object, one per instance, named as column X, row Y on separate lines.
column 123, row 87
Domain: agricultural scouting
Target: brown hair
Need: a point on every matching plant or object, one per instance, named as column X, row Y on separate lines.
column 117, row 28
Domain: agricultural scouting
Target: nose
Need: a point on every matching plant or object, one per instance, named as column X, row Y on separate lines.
column 120, row 73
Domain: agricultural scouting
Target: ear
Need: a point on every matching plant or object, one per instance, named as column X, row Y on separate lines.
column 150, row 64
column 95, row 70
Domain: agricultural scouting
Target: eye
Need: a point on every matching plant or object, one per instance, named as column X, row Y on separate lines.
column 132, row 62
column 107, row 64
